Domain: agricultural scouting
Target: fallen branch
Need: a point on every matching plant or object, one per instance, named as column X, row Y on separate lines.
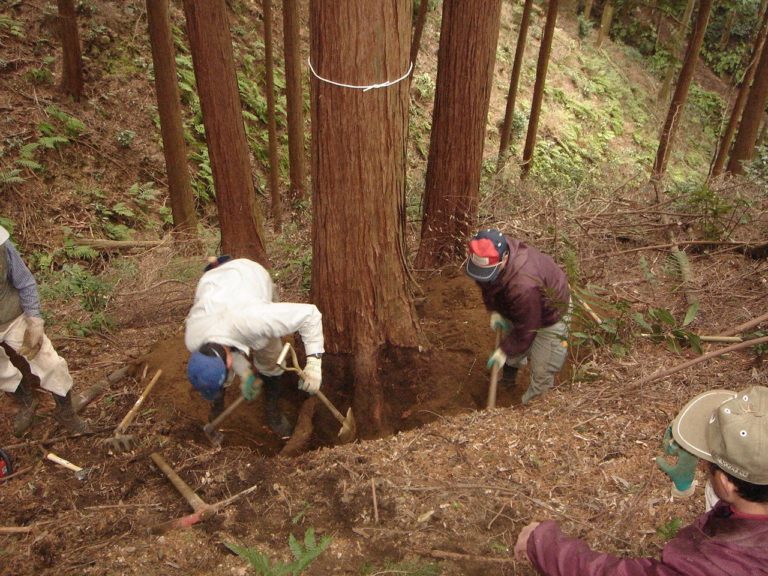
column 445, row 555
column 689, row 363
column 15, row 529
column 116, row 244
column 746, row 326
column 745, row 245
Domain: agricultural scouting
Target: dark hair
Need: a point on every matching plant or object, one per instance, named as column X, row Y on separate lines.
column 751, row 492
column 212, row 349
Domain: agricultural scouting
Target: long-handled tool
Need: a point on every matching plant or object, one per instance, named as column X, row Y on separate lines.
column 491, row 403
column 348, row 430
column 80, row 473
column 121, row 442
column 202, row 510
column 210, row 430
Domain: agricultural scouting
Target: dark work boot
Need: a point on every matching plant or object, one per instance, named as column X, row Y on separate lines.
column 66, row 416
column 276, row 420
column 509, row 377
column 26, row 414
column 217, row 407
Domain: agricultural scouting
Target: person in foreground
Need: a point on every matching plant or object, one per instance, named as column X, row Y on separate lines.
column 528, row 296
column 236, row 323
column 729, row 431
column 27, row 357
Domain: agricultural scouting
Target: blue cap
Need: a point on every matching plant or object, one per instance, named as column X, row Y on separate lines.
column 486, row 255
column 216, row 261
column 207, row 374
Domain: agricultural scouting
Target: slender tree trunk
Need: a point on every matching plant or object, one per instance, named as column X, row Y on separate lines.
column 677, row 45
column 538, row 87
column 752, row 117
column 274, row 164
column 741, row 99
column 725, row 37
column 681, row 93
column 169, row 109
column 418, row 28
column 587, row 14
column 294, row 100
column 240, row 220
column 467, row 52
column 72, row 61
column 517, row 66
column 605, row 23
column 359, row 276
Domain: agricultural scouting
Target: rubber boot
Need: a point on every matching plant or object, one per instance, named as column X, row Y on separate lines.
column 276, row 420
column 66, row 416
column 26, row 414
column 217, row 407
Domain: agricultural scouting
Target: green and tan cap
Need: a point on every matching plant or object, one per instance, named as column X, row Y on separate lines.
column 729, row 429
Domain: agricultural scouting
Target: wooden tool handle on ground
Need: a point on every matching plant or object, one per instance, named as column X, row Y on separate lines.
column 491, row 403
column 60, row 461
column 197, row 503
column 128, row 418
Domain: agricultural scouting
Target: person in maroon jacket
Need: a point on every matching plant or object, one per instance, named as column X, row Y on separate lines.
column 729, row 431
column 529, row 300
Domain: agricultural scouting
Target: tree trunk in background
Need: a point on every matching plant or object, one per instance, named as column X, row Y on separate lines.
column 681, row 93
column 677, row 45
column 725, row 37
column 587, row 14
column 294, row 99
column 72, row 61
column 724, row 145
column 418, row 28
column 169, row 110
column 468, row 36
column 274, row 164
column 751, row 118
column 514, row 80
column 242, row 230
column 360, row 280
column 538, row 87
column 605, row 23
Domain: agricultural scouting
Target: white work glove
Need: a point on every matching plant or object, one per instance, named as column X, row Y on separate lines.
column 312, row 375
column 498, row 322
column 498, row 358
column 33, row 337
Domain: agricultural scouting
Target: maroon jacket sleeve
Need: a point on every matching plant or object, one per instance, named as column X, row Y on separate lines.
column 554, row 554
column 525, row 313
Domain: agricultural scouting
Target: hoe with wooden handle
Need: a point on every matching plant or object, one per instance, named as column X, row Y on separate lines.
column 348, row 430
column 122, row 442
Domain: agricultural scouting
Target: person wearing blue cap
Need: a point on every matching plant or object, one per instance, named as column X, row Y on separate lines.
column 528, row 296
column 235, row 324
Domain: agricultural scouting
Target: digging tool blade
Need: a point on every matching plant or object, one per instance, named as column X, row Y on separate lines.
column 80, row 473
column 121, row 442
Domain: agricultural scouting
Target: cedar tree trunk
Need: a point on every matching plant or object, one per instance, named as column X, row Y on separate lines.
column 294, row 100
column 72, row 61
column 274, row 167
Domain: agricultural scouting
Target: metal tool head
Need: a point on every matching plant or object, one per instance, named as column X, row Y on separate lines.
column 348, row 431
column 120, row 443
column 213, row 434
column 83, row 473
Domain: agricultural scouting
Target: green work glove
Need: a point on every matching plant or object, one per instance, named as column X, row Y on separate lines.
column 498, row 322
column 683, row 471
column 251, row 387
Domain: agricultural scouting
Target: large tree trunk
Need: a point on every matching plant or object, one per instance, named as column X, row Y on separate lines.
column 359, row 277
column 681, row 92
column 751, row 119
column 465, row 59
column 274, row 167
column 517, row 66
column 169, row 109
column 538, row 87
column 294, row 99
column 72, row 61
column 242, row 230
column 724, row 145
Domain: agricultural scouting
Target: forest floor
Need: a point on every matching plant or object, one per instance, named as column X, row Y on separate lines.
column 448, row 490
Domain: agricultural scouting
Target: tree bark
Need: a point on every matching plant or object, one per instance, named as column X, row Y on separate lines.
column 514, row 80
column 677, row 43
column 465, row 60
column 752, row 117
column 587, row 14
column 274, row 165
column 605, row 23
column 240, row 220
column 418, row 28
column 294, row 100
column 724, row 145
column 359, row 277
column 72, row 60
column 681, row 92
column 169, row 110
column 538, row 87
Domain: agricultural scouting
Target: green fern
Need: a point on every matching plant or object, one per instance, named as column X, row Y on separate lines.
column 27, row 163
column 72, row 126
column 9, row 178
column 303, row 555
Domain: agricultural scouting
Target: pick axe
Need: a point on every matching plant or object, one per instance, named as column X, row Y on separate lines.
column 348, row 430
column 80, row 473
column 210, row 429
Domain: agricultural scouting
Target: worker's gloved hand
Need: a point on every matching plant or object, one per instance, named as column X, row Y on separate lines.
column 498, row 358
column 683, row 471
column 33, row 337
column 250, row 387
column 498, row 322
column 313, row 375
